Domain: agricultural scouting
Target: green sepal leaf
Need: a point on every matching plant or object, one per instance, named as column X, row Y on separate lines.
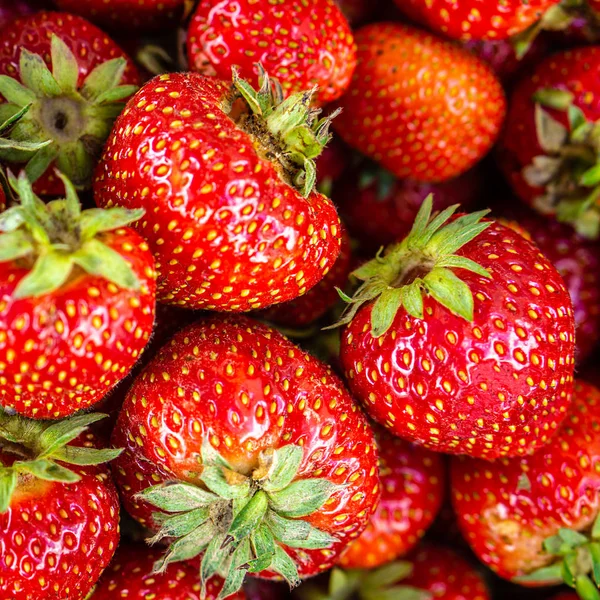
column 47, row 470
column 64, row 65
column 388, row 574
column 97, row 220
column 286, row 567
column 177, row 497
column 11, row 219
column 14, row 244
column 545, row 575
column 572, row 538
column 586, row 589
column 298, row 533
column 40, row 162
column 249, row 518
column 187, row 547
column 594, row 549
column 105, row 76
column 236, row 574
column 451, row 292
column 116, row 94
column 302, row 497
column 461, row 262
column 62, row 432
column 49, row 273
column 179, row 525
column 36, row 76
column 18, row 151
column 385, row 309
column 554, row 98
column 285, row 464
column 595, row 533
column 263, row 546
column 412, row 299
column 74, row 455
column 213, row 558
column 15, row 92
column 215, row 480
column 8, row 484
column 14, row 118
column 591, row 177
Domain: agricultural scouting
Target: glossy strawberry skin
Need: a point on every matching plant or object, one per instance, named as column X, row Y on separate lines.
column 64, row 351
column 130, row 576
column 300, row 43
column 429, row 128
column 572, row 70
column 412, row 484
column 90, row 45
column 446, row 575
column 281, row 396
column 499, row 386
column 226, row 232
column 477, row 19
column 504, row 522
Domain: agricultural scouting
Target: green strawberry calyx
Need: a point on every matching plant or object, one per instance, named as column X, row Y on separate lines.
column 72, row 121
column 42, row 450
column 569, row 171
column 422, row 263
column 376, row 584
column 576, row 562
column 240, row 522
column 58, row 240
column 289, row 130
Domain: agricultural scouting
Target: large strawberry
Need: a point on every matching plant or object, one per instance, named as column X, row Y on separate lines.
column 130, row 576
column 251, row 449
column 75, row 79
column 461, row 338
column 302, row 43
column 423, row 107
column 77, row 293
column 412, row 490
column 523, row 516
column 549, row 150
column 226, row 176
column 59, row 512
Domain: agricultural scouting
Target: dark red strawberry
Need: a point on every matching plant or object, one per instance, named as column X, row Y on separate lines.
column 231, row 410
column 11, row 9
column 423, row 107
column 522, row 516
column 461, row 338
column 233, row 220
column 357, row 11
column 261, row 589
column 412, row 484
column 379, row 209
column 75, row 80
column 331, row 165
column 548, row 150
column 130, row 576
column 77, row 293
column 302, row 43
column 59, row 512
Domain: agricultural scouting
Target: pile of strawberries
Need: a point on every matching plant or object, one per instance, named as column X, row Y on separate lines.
column 299, row 299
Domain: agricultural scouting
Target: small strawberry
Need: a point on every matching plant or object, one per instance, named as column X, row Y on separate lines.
column 74, row 78
column 302, row 43
column 461, row 338
column 59, row 511
column 535, row 519
column 549, row 150
column 252, row 451
column 130, row 576
column 423, row 107
column 412, row 484
column 226, row 176
column 76, row 302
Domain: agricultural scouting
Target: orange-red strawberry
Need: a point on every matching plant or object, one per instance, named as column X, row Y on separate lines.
column 412, row 490
column 77, row 294
column 423, row 107
column 523, row 516
column 226, row 176
column 252, row 450
column 461, row 338
column 302, row 43
column 131, row 576
column 59, row 512
column 75, row 79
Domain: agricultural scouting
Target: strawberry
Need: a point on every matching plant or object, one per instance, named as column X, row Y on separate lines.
column 75, row 79
column 357, row 11
column 412, row 484
column 410, row 108
column 77, row 295
column 522, row 516
column 331, row 165
column 130, row 576
column 379, row 209
column 231, row 215
column 125, row 15
column 59, row 510
column 11, row 9
column 461, row 338
column 302, row 43
column 548, row 150
column 250, row 449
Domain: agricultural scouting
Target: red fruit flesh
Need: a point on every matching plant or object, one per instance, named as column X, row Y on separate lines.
column 506, row 509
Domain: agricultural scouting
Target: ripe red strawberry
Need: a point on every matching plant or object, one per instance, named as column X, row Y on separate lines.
column 302, row 43
column 125, row 15
column 460, row 338
column 522, row 516
column 130, row 576
column 59, row 513
column 380, row 209
column 77, row 292
column 230, row 409
column 412, row 484
column 548, row 154
column 233, row 222
column 75, row 79
column 423, row 107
